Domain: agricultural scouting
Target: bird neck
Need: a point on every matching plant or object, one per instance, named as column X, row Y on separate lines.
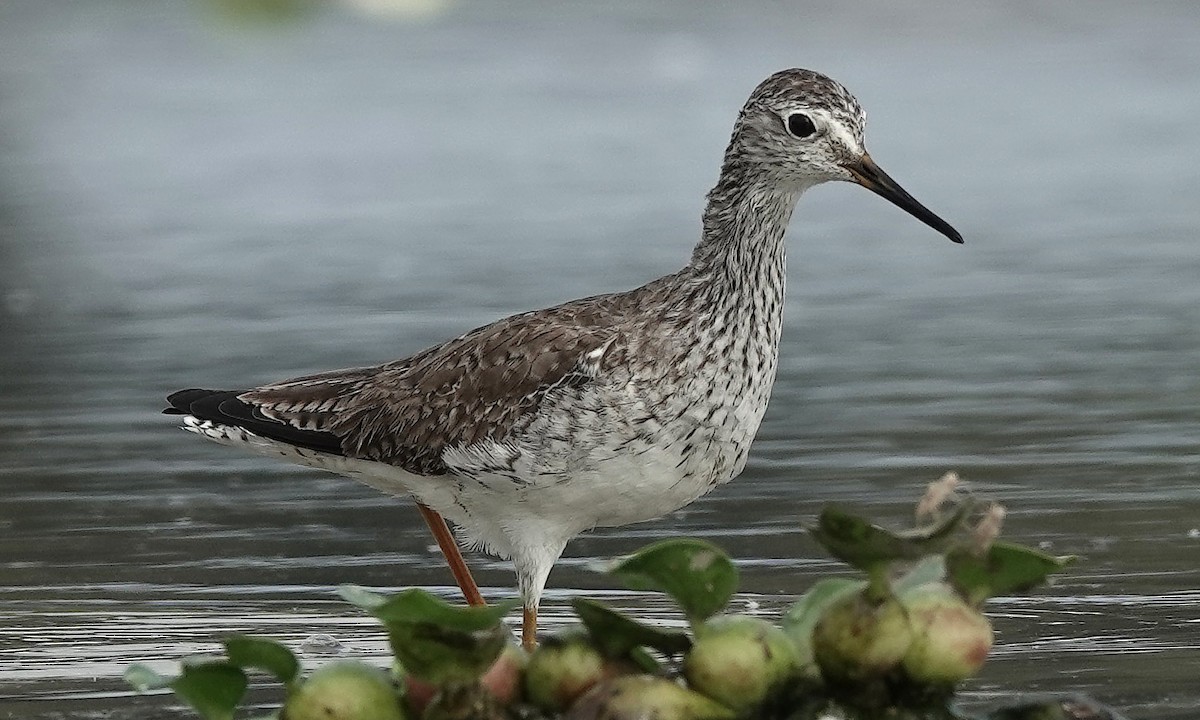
column 741, row 253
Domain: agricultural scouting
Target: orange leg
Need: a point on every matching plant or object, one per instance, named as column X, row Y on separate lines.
column 529, row 629
column 454, row 558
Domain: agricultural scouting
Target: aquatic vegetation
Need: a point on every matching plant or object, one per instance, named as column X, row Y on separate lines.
column 897, row 640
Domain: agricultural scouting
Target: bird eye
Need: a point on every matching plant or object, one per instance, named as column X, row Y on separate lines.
column 800, row 125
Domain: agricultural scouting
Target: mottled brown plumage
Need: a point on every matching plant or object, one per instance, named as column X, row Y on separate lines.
column 477, row 386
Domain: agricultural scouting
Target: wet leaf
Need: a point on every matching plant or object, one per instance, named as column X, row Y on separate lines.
column 439, row 654
column 417, row 606
column 617, row 635
column 432, row 639
column 696, row 574
column 213, row 688
column 1005, row 568
column 264, row 654
column 859, row 543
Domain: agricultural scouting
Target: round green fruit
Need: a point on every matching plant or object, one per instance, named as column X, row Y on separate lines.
column 563, row 668
column 740, row 661
column 951, row 639
column 344, row 691
column 857, row 639
column 802, row 617
column 502, row 681
column 638, row 697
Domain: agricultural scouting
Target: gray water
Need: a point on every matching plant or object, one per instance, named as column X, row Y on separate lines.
column 185, row 201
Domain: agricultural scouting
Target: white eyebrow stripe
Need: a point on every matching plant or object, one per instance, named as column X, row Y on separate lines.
column 843, row 135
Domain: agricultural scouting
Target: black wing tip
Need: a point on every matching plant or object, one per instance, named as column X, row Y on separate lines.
column 224, row 407
column 182, row 401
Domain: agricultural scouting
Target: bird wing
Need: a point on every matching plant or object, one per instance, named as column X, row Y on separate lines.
column 475, row 388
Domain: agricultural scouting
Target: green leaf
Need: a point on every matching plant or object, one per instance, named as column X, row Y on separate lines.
column 361, row 597
column 213, row 688
column 644, row 661
column 265, row 654
column 926, row 570
column 1004, row 569
column 825, row 592
column 434, row 640
column 417, row 606
column 803, row 616
column 617, row 635
column 443, row 655
column 144, row 679
column 698, row 575
column 859, row 543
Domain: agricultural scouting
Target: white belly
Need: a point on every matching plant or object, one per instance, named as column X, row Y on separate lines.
column 612, row 463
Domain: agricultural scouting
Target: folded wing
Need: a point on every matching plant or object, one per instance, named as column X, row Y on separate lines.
column 477, row 387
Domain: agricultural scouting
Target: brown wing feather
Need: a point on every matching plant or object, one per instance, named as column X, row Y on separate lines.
column 478, row 386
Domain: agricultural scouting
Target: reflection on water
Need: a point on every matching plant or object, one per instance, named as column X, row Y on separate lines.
column 183, row 204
